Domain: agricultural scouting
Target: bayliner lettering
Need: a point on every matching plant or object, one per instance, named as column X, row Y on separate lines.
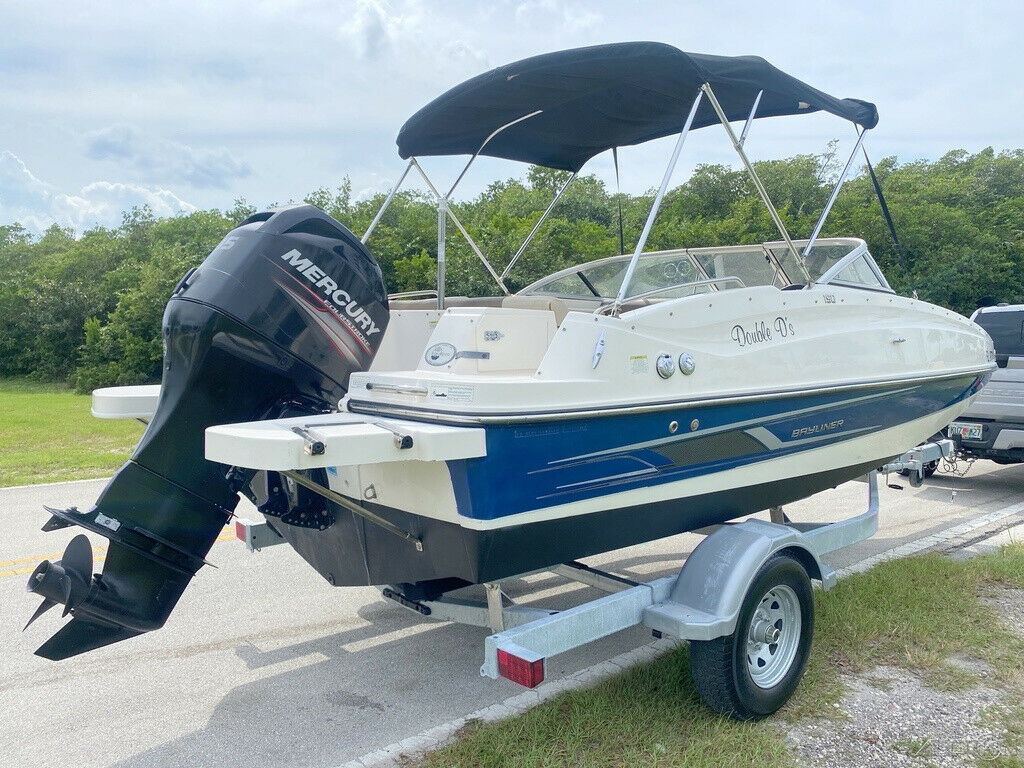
column 815, row 429
column 340, row 297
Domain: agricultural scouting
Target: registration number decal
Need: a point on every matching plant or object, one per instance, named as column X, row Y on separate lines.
column 965, row 430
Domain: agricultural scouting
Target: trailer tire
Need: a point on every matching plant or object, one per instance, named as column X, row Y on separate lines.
column 746, row 680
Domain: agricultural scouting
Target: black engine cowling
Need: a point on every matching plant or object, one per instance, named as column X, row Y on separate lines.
column 271, row 323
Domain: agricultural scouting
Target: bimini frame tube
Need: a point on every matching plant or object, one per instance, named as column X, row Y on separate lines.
column 442, row 233
column 529, row 237
column 442, row 206
column 387, row 202
column 757, row 181
column 657, row 204
column 462, row 229
column 483, row 144
column 835, row 192
column 750, row 118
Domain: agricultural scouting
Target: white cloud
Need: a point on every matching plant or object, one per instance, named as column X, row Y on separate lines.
column 404, row 33
column 36, row 204
column 548, row 14
column 371, row 30
column 307, row 91
column 163, row 160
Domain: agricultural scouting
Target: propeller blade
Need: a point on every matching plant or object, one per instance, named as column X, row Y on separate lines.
column 77, row 557
column 43, row 608
column 77, row 564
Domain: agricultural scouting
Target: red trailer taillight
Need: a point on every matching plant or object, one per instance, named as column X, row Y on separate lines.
column 528, row 673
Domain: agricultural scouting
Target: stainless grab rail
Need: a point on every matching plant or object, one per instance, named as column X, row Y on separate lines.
column 655, row 291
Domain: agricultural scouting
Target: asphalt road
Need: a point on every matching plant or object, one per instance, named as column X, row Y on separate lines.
column 264, row 664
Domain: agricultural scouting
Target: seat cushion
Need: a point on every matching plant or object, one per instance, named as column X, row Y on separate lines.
column 550, row 303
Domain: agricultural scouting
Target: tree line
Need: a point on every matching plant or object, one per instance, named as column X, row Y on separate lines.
column 88, row 309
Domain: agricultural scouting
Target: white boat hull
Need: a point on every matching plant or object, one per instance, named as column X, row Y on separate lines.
column 537, row 439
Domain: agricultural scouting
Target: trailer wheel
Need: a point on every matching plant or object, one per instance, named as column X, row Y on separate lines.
column 749, row 674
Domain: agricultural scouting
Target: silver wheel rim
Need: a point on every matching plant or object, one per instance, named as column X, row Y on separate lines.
column 773, row 636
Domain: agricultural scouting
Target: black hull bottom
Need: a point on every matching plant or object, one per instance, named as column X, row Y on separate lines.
column 353, row 552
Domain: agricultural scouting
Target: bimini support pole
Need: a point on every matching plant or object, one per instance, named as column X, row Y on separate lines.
column 750, row 118
column 835, row 192
column 757, row 181
column 529, row 237
column 387, row 202
column 442, row 233
column 451, row 214
column 657, row 204
column 484, row 143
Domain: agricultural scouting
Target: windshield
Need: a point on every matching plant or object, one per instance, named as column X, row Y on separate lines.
column 687, row 271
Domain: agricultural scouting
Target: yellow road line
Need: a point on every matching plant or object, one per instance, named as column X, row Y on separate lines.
column 14, row 566
column 31, row 559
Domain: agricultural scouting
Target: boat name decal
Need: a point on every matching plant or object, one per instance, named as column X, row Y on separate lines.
column 338, row 296
column 762, row 331
column 828, row 426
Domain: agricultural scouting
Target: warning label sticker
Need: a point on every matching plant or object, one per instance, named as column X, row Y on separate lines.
column 638, row 364
column 454, row 393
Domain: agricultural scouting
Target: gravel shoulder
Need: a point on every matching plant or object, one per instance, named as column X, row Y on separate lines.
column 890, row 716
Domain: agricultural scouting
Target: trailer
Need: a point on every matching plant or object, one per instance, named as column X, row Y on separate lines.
column 743, row 599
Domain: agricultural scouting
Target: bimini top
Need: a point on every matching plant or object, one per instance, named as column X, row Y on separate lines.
column 603, row 96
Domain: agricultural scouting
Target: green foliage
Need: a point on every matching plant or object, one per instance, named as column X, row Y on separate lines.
column 88, row 309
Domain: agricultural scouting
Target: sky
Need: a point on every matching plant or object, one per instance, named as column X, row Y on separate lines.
column 180, row 105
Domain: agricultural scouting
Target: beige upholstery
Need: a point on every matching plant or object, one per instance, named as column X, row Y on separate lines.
column 550, row 303
column 450, row 301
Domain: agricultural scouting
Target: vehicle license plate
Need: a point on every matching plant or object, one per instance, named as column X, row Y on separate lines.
column 965, row 430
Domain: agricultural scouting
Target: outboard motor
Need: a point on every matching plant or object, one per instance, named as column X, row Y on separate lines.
column 271, row 324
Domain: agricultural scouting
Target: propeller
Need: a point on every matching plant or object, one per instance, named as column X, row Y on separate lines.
column 65, row 581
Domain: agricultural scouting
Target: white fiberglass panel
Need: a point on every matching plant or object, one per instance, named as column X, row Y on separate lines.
column 745, row 342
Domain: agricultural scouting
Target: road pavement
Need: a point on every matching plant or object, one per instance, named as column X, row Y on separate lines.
column 265, row 664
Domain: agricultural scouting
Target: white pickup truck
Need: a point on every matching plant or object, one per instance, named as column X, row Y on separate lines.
column 993, row 427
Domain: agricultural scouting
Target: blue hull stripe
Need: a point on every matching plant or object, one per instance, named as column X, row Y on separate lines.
column 535, row 465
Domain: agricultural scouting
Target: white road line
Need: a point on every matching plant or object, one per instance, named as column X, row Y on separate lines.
column 441, row 734
column 49, row 485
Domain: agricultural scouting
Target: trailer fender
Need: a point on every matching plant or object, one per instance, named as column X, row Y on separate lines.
column 705, row 600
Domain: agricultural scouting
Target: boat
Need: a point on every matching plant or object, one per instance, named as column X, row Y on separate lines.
column 429, row 442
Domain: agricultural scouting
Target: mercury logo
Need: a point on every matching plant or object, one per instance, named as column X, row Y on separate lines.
column 338, row 296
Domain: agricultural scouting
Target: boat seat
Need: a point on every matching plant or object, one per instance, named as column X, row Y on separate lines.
column 549, row 303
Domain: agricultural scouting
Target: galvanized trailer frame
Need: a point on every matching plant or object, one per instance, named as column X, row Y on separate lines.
column 701, row 602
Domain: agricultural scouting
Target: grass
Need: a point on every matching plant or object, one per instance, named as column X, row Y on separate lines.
column 911, row 613
column 47, row 434
column 914, row 747
column 649, row 716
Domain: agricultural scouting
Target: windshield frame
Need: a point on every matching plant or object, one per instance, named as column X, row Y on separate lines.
column 858, row 250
